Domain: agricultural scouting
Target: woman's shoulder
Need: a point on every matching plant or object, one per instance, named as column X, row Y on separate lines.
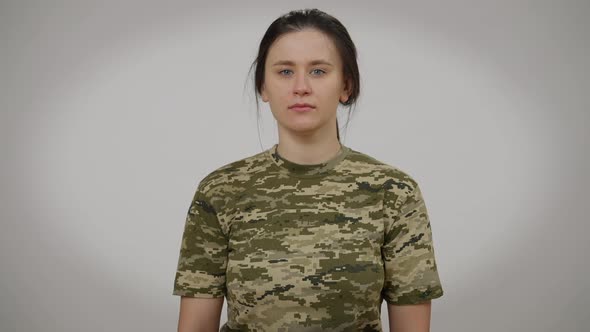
column 235, row 173
column 377, row 167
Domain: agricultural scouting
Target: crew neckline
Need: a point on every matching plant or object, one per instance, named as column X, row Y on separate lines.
column 306, row 170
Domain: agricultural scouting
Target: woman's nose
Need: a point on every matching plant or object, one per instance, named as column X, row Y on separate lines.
column 301, row 84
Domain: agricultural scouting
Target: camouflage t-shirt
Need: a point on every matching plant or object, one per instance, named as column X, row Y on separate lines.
column 298, row 247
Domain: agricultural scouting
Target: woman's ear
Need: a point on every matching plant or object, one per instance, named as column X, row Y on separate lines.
column 346, row 91
column 263, row 94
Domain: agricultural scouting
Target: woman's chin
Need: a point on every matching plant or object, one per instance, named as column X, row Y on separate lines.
column 303, row 128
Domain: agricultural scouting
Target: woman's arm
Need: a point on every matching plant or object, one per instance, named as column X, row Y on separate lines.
column 409, row 318
column 199, row 314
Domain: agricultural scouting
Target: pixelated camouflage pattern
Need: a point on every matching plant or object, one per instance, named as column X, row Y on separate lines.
column 307, row 247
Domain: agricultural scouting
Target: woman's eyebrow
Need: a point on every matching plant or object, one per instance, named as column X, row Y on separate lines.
column 291, row 63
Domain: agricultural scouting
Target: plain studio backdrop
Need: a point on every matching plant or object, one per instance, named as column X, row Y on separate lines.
column 112, row 111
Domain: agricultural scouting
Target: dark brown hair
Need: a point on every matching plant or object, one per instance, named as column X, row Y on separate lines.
column 298, row 20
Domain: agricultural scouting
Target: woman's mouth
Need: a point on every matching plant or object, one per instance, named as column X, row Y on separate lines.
column 301, row 108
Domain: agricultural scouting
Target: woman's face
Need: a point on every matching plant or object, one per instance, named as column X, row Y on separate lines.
column 292, row 77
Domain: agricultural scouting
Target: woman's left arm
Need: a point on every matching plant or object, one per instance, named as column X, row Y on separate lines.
column 409, row 318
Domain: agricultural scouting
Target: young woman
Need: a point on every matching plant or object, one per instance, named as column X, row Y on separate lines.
column 310, row 234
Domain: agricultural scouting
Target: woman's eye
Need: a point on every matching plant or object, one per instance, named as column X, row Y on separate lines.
column 315, row 70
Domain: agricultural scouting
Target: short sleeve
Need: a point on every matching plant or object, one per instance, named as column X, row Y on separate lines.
column 411, row 274
column 203, row 252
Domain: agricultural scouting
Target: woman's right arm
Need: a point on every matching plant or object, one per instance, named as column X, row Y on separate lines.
column 199, row 314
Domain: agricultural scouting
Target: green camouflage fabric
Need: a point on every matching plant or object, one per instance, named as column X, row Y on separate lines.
column 296, row 247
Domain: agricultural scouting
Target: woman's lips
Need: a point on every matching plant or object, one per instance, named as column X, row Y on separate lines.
column 301, row 109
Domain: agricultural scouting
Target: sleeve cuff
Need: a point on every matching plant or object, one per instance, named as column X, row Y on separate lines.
column 414, row 297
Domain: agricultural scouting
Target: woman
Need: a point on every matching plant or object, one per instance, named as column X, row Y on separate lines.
column 308, row 235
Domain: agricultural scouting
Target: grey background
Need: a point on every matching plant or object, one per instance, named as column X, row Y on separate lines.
column 112, row 111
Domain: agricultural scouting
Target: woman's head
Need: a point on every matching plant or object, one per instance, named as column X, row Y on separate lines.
column 286, row 73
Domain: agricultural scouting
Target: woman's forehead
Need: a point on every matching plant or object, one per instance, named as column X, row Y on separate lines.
column 303, row 47
column 310, row 62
